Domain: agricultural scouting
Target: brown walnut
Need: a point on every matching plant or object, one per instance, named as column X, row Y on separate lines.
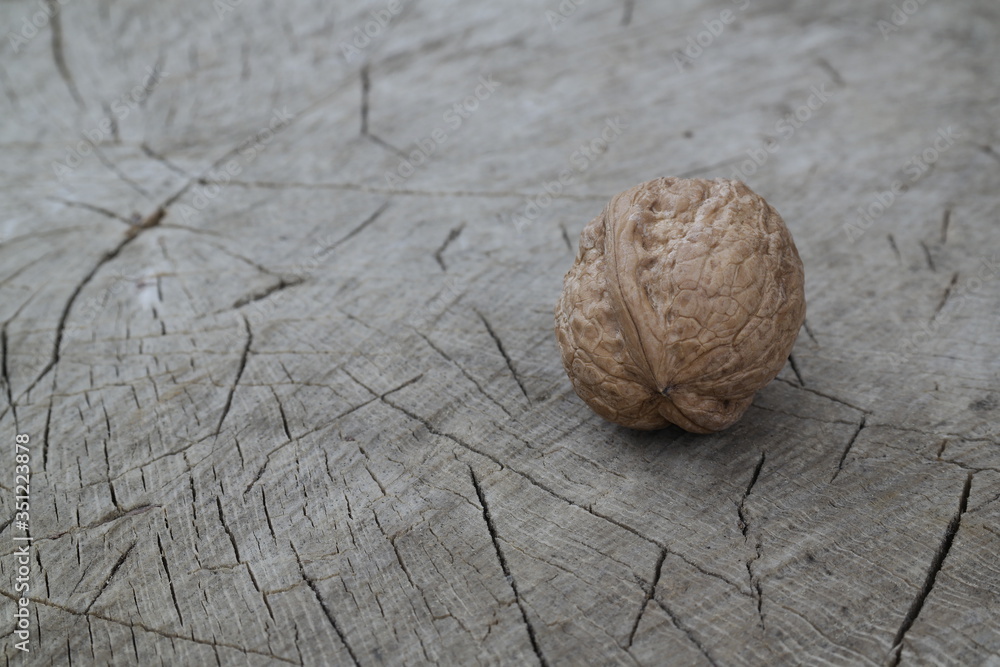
column 685, row 299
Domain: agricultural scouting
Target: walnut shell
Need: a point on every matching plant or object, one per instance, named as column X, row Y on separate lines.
column 685, row 298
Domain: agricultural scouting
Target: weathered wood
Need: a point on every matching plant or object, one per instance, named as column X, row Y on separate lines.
column 315, row 414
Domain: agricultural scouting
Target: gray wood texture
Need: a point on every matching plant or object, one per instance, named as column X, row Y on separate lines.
column 277, row 318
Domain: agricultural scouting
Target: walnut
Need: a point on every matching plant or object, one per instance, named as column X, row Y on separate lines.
column 685, row 298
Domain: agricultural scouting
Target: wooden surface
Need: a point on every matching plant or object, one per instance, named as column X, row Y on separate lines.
column 314, row 414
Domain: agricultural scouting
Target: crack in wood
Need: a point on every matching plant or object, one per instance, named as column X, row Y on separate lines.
column 256, row 587
column 895, row 248
column 494, row 537
column 110, row 517
column 744, row 523
column 58, row 52
column 131, row 234
column 650, row 594
column 627, row 11
column 795, row 369
column 148, row 150
column 267, row 514
column 281, row 412
column 150, row 221
column 146, row 628
column 334, row 420
column 687, row 631
column 375, row 479
column 745, row 529
column 110, row 115
column 847, row 449
column 941, row 447
column 589, row 510
column 225, row 527
column 366, row 86
column 503, row 353
column 5, row 373
column 45, row 435
column 990, row 152
column 8, row 89
column 386, row 145
column 896, row 653
column 253, row 297
column 928, row 257
column 170, row 581
column 92, row 208
column 402, row 565
column 357, row 230
column 452, row 235
column 326, row 609
column 565, row 237
column 239, row 374
column 835, row 76
column 805, row 325
column 824, row 395
column 116, row 170
column 944, row 297
column 465, row 373
column 107, row 465
column 111, row 575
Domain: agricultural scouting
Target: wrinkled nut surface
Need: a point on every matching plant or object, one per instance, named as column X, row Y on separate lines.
column 685, row 299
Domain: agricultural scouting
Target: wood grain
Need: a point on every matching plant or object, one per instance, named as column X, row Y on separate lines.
column 279, row 324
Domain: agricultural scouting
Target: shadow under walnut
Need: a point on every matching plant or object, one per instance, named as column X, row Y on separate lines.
column 685, row 298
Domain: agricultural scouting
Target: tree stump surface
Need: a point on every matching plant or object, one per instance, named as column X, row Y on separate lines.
column 277, row 319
